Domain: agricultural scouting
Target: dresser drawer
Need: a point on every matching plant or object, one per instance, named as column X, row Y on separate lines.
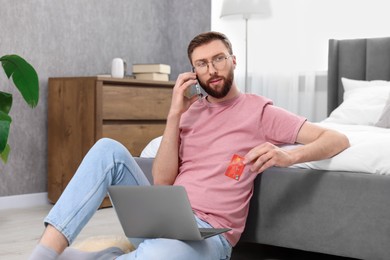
column 135, row 103
column 134, row 136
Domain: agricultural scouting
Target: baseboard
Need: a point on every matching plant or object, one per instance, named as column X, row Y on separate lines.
column 24, row 201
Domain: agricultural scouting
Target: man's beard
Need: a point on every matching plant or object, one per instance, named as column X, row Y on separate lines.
column 228, row 81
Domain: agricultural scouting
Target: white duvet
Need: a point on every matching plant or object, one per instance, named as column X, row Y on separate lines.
column 369, row 151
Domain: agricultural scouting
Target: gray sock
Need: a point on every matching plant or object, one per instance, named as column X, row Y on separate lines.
column 41, row 252
column 108, row 253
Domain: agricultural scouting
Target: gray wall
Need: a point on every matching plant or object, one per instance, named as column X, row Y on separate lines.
column 80, row 38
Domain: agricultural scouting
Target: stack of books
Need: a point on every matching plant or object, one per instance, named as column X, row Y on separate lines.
column 149, row 71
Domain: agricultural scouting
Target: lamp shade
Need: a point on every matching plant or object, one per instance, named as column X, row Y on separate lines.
column 246, row 8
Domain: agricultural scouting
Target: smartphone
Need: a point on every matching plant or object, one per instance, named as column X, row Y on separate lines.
column 194, row 90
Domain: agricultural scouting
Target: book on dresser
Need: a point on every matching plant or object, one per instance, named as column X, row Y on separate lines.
column 151, row 68
column 152, row 76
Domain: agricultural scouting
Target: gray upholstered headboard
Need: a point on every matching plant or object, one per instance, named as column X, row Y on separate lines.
column 361, row 59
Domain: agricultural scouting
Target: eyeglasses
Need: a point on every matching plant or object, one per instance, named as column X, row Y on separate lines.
column 219, row 63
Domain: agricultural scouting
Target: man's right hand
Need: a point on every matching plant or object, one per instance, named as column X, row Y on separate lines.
column 181, row 103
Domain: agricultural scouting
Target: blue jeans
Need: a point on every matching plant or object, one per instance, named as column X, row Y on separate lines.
column 110, row 163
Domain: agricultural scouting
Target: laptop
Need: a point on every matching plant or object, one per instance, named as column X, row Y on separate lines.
column 157, row 212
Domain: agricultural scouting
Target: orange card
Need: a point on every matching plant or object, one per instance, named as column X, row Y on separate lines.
column 235, row 168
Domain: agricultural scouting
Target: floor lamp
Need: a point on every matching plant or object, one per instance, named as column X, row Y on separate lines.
column 246, row 9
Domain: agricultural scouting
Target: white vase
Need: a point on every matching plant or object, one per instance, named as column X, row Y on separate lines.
column 118, row 68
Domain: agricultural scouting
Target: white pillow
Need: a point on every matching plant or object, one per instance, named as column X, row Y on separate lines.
column 351, row 84
column 384, row 120
column 361, row 105
column 151, row 148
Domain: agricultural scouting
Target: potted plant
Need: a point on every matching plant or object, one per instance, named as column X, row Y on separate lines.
column 26, row 81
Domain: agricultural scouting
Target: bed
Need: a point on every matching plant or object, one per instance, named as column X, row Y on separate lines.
column 342, row 211
column 339, row 206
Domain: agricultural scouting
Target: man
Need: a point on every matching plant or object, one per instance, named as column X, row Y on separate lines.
column 199, row 140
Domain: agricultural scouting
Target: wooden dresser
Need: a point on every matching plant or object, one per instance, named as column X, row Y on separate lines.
column 84, row 109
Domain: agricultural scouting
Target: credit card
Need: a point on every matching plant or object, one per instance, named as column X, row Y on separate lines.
column 235, row 168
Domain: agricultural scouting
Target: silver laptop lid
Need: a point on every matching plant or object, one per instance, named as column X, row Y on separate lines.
column 154, row 212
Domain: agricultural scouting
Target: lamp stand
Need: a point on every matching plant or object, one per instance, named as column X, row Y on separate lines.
column 246, row 9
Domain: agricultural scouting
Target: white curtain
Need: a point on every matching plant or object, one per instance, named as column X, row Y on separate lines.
column 287, row 53
column 293, row 91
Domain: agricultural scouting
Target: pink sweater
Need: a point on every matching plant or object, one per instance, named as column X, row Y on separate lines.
column 209, row 136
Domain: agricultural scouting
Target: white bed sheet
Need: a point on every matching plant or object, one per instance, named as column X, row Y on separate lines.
column 369, row 151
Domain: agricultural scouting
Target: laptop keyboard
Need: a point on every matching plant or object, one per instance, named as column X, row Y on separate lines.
column 206, row 231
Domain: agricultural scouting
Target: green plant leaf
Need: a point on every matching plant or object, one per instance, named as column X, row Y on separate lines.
column 5, row 102
column 5, row 153
column 5, row 122
column 24, row 77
